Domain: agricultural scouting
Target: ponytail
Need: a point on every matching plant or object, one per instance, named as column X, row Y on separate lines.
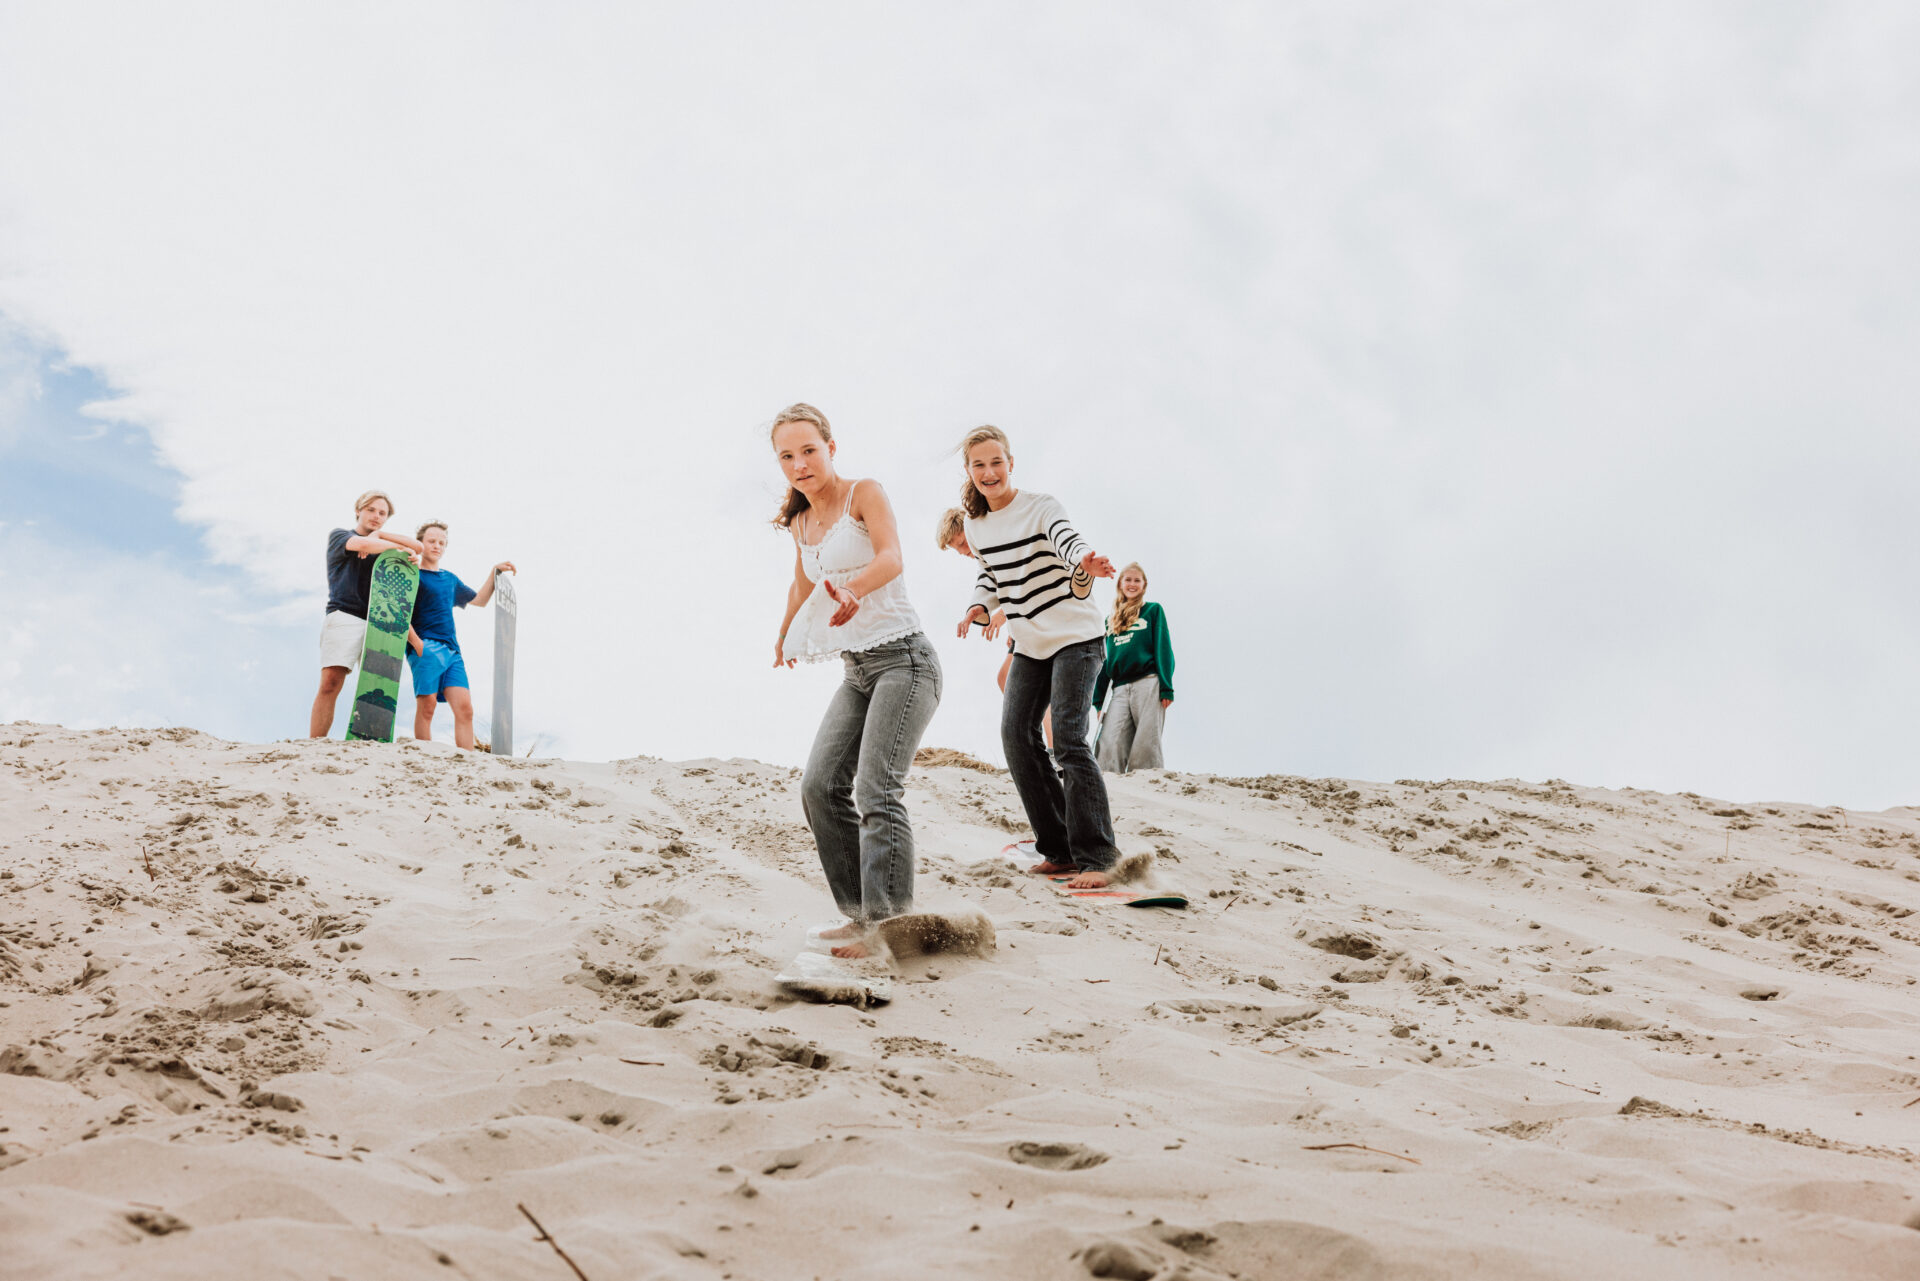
column 791, row 507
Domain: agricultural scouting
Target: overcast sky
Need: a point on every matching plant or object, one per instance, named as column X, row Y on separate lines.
column 1489, row 390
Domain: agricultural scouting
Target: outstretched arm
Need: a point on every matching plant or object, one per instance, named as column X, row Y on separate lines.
column 797, row 592
column 986, row 608
column 1069, row 546
column 485, row 594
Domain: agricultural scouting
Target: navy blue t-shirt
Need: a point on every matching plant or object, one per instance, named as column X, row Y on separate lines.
column 349, row 575
column 440, row 594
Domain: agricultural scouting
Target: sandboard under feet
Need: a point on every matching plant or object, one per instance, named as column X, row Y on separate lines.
column 818, row 976
column 1126, row 895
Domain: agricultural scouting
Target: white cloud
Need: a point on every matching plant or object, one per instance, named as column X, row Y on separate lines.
column 92, row 639
column 1489, row 389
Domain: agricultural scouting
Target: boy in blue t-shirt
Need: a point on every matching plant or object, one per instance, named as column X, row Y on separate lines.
column 439, row 673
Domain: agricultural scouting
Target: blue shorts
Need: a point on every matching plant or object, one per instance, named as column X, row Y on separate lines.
column 437, row 670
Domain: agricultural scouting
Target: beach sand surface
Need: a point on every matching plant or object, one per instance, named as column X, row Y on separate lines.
column 316, row 1010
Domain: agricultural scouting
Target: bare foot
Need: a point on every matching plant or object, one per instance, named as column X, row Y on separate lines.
column 1051, row 868
column 852, row 951
column 1089, row 881
column 847, row 931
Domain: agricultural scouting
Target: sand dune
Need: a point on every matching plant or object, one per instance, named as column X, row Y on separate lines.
column 335, row 1010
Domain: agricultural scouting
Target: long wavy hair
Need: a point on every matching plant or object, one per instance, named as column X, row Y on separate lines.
column 1126, row 612
column 799, row 412
column 970, row 498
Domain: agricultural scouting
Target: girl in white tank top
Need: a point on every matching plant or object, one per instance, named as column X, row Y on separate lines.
column 848, row 600
column 840, row 555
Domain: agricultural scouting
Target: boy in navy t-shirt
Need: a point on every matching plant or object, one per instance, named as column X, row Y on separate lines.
column 439, row 672
column 350, row 557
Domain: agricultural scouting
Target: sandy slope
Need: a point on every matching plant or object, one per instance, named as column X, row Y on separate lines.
column 371, row 998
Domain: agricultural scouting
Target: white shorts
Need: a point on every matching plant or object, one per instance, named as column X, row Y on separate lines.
column 342, row 639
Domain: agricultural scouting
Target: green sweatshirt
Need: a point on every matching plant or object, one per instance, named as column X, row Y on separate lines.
column 1144, row 650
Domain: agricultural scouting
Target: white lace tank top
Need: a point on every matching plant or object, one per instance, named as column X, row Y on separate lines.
column 885, row 615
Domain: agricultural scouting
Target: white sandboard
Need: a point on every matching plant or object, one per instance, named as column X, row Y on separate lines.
column 820, row 977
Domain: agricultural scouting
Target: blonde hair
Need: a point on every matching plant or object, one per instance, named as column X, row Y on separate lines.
column 799, row 412
column 360, row 503
column 440, row 525
column 952, row 525
column 970, row 498
column 1126, row 612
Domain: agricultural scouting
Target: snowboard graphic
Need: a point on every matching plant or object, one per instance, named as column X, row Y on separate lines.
column 389, row 612
column 506, row 609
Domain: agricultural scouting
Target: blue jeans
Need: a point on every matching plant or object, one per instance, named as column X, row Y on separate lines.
column 1067, row 810
column 854, row 789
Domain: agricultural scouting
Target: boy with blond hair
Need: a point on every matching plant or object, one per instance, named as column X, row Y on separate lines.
column 350, row 556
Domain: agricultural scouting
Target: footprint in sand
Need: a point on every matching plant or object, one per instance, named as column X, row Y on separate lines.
column 1056, row 1156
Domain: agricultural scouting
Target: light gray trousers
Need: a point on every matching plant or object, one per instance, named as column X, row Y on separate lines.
column 854, row 790
column 1130, row 727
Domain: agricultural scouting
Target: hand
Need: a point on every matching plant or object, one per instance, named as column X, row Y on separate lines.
column 780, row 658
column 1165, row 703
column 848, row 602
column 966, row 623
column 995, row 623
column 1095, row 566
column 507, row 565
column 419, row 646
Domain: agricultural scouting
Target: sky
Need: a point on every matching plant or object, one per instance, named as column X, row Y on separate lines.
column 1490, row 390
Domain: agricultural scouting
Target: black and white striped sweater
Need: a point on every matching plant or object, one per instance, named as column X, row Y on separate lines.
column 1030, row 566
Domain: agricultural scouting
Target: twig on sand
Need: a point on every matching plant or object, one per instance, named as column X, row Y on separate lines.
column 548, row 1238
column 463, row 958
column 1328, row 1147
column 1030, row 1009
column 331, row 1156
column 1909, row 1103
column 1096, row 980
column 1231, row 902
column 644, row 1062
column 1571, row 1086
column 1156, row 952
column 147, row 859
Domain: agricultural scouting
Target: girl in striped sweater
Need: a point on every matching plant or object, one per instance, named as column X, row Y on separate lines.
column 1040, row 572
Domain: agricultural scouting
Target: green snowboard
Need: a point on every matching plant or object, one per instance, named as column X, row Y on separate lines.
column 389, row 614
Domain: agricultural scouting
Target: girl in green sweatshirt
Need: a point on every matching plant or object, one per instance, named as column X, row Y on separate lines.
column 1139, row 670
